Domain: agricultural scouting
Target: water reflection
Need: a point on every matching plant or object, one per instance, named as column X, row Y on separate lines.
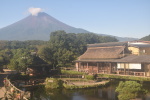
column 101, row 93
column 105, row 93
column 77, row 96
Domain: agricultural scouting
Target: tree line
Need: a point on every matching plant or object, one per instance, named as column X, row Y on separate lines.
column 60, row 51
column 63, row 48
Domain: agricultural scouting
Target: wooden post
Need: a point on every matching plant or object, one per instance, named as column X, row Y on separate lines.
column 107, row 68
column 110, row 68
column 83, row 67
column 92, row 68
column 149, row 69
column 79, row 66
column 128, row 69
column 97, row 67
column 88, row 66
column 124, row 68
column 102, row 67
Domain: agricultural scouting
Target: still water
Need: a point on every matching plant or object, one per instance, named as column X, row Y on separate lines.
column 101, row 93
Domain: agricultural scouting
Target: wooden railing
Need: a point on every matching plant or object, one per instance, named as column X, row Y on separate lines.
column 67, row 76
column 139, row 73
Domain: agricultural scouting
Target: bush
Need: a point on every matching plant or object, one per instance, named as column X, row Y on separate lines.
column 89, row 77
column 129, row 90
column 53, row 83
column 70, row 72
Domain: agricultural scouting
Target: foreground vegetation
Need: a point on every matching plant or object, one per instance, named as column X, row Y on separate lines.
column 126, row 90
column 129, row 90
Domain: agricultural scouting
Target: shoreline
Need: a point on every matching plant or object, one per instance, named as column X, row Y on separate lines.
column 83, row 85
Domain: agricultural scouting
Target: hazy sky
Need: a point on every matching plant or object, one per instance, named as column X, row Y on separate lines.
column 125, row 18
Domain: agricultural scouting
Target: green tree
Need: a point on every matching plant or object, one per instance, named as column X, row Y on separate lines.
column 46, row 54
column 64, row 47
column 129, row 90
column 59, row 51
column 21, row 60
column 5, row 56
column 104, row 39
column 64, row 57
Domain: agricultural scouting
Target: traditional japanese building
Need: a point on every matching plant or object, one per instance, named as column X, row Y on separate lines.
column 99, row 57
column 137, row 65
column 113, row 58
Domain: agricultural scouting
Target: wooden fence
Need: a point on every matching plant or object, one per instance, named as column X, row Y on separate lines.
column 68, row 76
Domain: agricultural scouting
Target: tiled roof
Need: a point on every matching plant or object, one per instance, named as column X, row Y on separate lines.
column 134, row 59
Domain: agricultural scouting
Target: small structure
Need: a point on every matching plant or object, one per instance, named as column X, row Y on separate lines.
column 139, row 48
column 38, row 70
column 116, row 58
column 39, row 67
column 134, row 65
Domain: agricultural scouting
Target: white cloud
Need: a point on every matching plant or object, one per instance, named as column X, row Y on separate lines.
column 35, row 11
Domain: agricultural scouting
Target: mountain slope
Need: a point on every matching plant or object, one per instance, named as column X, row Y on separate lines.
column 39, row 28
column 35, row 28
column 121, row 39
column 146, row 38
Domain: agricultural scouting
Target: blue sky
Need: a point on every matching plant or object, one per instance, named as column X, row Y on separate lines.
column 125, row 18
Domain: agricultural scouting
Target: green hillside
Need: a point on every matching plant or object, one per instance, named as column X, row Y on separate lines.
column 146, row 38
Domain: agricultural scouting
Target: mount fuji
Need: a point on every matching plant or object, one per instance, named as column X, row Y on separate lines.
column 36, row 28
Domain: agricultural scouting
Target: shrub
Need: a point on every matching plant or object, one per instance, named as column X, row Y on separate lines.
column 89, row 77
column 53, row 83
column 70, row 72
column 129, row 90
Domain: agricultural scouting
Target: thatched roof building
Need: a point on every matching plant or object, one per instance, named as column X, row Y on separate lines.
column 100, row 53
column 116, row 57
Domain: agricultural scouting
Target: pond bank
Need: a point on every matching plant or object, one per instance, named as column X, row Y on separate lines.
column 73, row 83
column 79, row 85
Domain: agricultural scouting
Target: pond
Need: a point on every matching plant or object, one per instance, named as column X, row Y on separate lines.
column 100, row 93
